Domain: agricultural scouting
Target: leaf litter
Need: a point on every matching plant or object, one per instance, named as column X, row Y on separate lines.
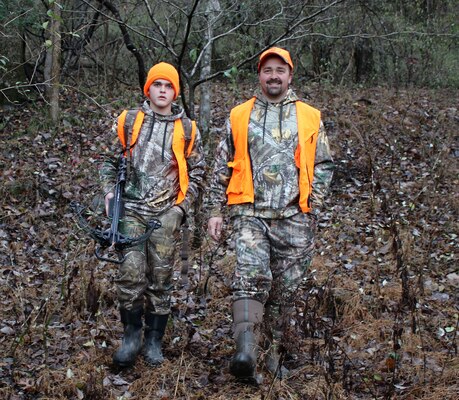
column 377, row 317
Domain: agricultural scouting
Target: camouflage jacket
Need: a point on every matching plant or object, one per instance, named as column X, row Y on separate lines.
column 273, row 138
column 153, row 181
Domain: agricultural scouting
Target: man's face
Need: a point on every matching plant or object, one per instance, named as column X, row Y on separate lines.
column 161, row 94
column 275, row 77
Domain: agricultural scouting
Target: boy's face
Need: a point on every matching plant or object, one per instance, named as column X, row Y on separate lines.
column 161, row 94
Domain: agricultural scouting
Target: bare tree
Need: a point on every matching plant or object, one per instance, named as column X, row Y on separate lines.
column 127, row 40
column 52, row 61
column 339, row 40
column 212, row 10
column 187, row 34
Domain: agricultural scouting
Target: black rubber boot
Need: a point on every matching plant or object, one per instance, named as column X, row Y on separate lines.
column 126, row 354
column 247, row 316
column 155, row 326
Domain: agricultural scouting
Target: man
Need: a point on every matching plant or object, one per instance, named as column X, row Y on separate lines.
column 166, row 171
column 273, row 169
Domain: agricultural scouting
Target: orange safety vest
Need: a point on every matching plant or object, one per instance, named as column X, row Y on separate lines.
column 240, row 187
column 178, row 145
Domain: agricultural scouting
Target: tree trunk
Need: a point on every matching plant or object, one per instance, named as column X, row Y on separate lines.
column 53, row 64
column 212, row 8
column 205, row 106
column 56, row 68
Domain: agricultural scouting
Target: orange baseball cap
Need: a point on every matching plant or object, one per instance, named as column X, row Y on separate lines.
column 276, row 51
column 163, row 71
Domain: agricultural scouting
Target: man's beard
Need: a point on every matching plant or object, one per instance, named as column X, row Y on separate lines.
column 274, row 90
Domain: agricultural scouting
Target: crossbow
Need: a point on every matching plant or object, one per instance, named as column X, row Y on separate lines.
column 111, row 239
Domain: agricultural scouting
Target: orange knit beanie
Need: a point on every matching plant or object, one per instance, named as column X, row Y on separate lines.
column 162, row 71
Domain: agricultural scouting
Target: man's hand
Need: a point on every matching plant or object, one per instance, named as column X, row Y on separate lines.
column 108, row 197
column 214, row 227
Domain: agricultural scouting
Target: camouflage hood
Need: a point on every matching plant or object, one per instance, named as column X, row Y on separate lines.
column 177, row 112
column 289, row 98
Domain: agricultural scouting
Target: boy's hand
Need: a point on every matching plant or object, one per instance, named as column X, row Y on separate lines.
column 214, row 227
column 108, row 197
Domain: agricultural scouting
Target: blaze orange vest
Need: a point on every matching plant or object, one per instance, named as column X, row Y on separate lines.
column 240, row 187
column 178, row 145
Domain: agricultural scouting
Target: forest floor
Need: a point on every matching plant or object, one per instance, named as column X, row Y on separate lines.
column 377, row 317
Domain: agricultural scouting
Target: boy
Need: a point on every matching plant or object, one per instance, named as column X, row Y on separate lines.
column 166, row 172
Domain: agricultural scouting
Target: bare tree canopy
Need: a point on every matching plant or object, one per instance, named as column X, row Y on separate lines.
column 105, row 42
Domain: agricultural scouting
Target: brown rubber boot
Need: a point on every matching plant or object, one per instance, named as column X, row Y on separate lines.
column 247, row 317
column 274, row 321
column 274, row 361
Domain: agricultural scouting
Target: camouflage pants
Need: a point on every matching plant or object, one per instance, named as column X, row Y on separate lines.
column 146, row 274
column 273, row 256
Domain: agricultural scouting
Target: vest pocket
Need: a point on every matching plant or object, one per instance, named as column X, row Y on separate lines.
column 297, row 156
column 235, row 184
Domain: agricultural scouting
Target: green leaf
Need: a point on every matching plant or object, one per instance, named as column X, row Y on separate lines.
column 48, row 43
column 450, row 329
column 231, row 73
column 58, row 18
column 194, row 54
column 45, row 24
column 53, row 15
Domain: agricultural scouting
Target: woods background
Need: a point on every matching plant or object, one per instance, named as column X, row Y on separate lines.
column 98, row 47
column 378, row 316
